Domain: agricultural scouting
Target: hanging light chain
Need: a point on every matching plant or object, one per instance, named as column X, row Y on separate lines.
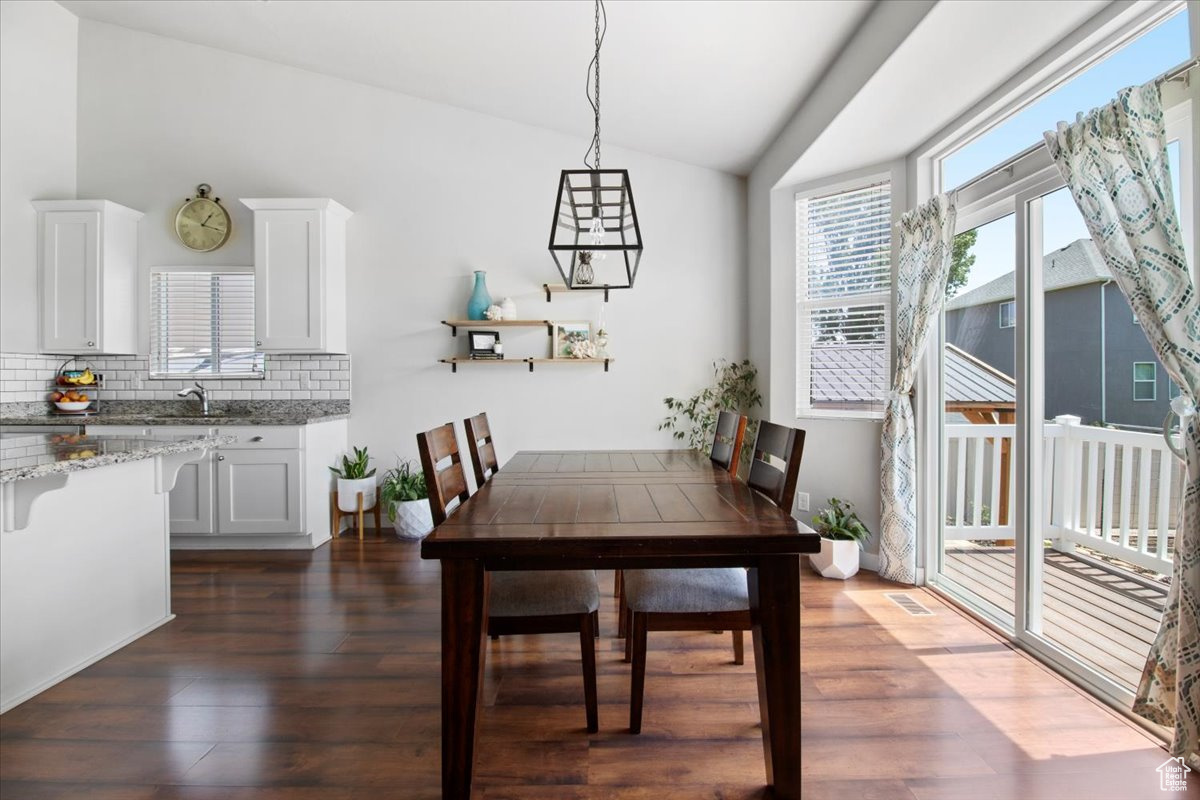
column 593, row 94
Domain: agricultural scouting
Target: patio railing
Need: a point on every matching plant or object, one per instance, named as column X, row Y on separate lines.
column 1116, row 492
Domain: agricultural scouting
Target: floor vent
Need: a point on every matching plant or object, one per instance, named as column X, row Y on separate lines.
column 910, row 605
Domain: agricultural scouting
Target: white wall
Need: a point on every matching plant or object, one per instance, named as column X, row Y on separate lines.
column 437, row 192
column 38, row 56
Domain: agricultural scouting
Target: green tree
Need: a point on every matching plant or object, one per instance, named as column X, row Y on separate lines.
column 961, row 261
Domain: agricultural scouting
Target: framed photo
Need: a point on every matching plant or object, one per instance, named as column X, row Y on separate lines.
column 483, row 343
column 567, row 334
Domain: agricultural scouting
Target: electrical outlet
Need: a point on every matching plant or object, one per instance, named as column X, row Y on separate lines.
column 802, row 501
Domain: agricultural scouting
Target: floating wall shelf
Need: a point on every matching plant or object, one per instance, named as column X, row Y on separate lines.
column 455, row 324
column 555, row 288
column 454, row 362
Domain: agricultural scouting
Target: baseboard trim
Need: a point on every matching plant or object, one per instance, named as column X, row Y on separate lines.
column 233, row 542
column 12, row 703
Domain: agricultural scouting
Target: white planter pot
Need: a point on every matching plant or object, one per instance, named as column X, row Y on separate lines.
column 348, row 493
column 838, row 558
column 414, row 519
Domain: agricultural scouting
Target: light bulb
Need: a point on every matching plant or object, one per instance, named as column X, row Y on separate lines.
column 596, row 232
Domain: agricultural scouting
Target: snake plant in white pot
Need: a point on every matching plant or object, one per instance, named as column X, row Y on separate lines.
column 842, row 535
column 406, row 498
column 354, row 477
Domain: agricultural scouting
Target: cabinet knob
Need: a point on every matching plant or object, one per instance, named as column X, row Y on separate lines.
column 220, row 458
column 258, row 343
column 91, row 343
column 256, row 438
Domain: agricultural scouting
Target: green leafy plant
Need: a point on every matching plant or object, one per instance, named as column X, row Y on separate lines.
column 840, row 522
column 356, row 468
column 734, row 388
column 402, row 484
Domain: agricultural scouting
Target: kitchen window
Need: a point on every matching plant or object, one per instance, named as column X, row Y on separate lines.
column 1008, row 314
column 202, row 325
column 843, row 301
column 1145, row 380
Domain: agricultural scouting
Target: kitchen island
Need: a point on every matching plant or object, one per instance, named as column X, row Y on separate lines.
column 84, row 549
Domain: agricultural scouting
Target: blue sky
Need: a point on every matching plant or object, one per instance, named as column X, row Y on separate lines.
column 1143, row 59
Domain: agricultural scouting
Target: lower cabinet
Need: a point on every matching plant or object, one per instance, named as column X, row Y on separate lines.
column 192, row 497
column 258, row 491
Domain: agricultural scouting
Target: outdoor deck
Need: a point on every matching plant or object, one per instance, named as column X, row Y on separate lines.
column 1101, row 614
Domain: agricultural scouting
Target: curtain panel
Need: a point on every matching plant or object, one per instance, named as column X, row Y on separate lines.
column 1114, row 160
column 926, row 244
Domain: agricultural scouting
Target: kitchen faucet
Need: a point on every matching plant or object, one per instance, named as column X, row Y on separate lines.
column 200, row 392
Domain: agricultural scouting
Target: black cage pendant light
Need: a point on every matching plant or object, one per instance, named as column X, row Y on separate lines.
column 594, row 237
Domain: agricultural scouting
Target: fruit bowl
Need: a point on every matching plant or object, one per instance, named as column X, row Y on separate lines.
column 67, row 405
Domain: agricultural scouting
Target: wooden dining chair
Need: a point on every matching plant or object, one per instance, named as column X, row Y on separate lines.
column 550, row 601
column 483, row 451
column 728, row 436
column 707, row 599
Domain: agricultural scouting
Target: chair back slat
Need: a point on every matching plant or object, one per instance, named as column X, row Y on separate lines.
column 775, row 467
column 449, row 483
column 483, row 450
column 727, row 441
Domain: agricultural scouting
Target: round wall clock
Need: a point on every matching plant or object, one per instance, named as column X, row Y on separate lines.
column 202, row 223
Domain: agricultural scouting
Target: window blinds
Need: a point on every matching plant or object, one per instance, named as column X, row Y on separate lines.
column 202, row 324
column 843, row 300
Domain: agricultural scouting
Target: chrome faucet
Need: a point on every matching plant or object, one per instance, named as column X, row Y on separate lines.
column 200, row 392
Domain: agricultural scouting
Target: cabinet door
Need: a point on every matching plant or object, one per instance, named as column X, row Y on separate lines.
column 192, row 498
column 288, row 302
column 70, row 276
column 258, row 491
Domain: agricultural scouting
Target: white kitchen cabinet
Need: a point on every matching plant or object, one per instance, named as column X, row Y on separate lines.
column 258, row 491
column 87, row 268
column 299, row 274
column 192, row 498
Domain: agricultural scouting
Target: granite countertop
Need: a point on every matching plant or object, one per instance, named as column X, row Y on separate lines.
column 35, row 455
column 183, row 412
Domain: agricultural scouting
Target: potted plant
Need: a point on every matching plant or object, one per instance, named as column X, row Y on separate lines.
column 354, row 477
column 735, row 388
column 406, row 498
column 842, row 534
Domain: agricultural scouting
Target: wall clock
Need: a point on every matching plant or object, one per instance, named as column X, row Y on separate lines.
column 202, row 224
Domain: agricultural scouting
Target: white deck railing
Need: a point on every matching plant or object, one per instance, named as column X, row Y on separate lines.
column 1116, row 492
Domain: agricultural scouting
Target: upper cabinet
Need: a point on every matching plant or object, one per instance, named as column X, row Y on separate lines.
column 88, row 266
column 299, row 274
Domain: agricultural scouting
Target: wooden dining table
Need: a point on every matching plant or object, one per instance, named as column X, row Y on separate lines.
column 619, row 510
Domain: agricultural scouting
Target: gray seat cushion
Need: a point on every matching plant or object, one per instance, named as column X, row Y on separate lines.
column 539, row 593
column 687, row 591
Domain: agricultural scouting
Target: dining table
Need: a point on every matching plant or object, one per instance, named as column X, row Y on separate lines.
column 598, row 509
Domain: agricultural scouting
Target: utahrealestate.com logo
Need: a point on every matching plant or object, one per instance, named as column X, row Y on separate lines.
column 1172, row 775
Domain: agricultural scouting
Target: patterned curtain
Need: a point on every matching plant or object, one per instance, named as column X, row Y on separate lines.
column 1115, row 162
column 926, row 243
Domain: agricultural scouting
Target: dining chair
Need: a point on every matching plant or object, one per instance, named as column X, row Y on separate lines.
column 726, row 453
column 550, row 601
column 483, row 451
column 707, row 599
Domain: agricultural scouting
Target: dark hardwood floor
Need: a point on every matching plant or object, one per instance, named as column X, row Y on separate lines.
column 314, row 676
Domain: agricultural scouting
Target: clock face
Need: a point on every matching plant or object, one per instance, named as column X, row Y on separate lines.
column 202, row 225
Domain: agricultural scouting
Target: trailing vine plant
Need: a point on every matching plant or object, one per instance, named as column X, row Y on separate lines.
column 734, row 388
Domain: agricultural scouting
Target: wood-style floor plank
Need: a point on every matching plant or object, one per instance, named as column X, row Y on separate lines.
column 314, row 676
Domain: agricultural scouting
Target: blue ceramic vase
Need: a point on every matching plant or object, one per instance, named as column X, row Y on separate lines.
column 480, row 300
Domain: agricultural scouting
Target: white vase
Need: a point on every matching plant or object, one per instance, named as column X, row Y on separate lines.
column 348, row 489
column 509, row 308
column 838, row 558
column 414, row 519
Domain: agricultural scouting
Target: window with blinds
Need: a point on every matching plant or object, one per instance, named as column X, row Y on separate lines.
column 202, row 325
column 843, row 301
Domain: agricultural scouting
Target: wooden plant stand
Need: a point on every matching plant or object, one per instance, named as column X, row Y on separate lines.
column 336, row 514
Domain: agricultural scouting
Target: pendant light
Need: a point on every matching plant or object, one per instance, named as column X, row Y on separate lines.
column 595, row 221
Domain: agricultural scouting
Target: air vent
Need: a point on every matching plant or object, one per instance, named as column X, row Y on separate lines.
column 910, row 605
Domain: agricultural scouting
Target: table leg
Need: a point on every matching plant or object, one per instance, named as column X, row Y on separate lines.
column 464, row 626
column 775, row 612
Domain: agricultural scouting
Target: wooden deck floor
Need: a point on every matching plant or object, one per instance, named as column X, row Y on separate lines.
column 314, row 676
column 1100, row 614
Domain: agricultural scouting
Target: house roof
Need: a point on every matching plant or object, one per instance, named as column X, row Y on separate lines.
column 848, row 374
column 1077, row 264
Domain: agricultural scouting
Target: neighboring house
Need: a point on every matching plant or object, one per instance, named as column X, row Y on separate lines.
column 1098, row 364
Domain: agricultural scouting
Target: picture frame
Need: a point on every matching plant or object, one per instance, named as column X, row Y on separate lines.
column 482, row 344
column 566, row 333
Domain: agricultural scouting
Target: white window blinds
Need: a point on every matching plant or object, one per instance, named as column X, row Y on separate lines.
column 843, row 300
column 202, row 324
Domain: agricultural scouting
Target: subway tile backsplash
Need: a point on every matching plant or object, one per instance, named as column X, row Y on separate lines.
column 27, row 378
